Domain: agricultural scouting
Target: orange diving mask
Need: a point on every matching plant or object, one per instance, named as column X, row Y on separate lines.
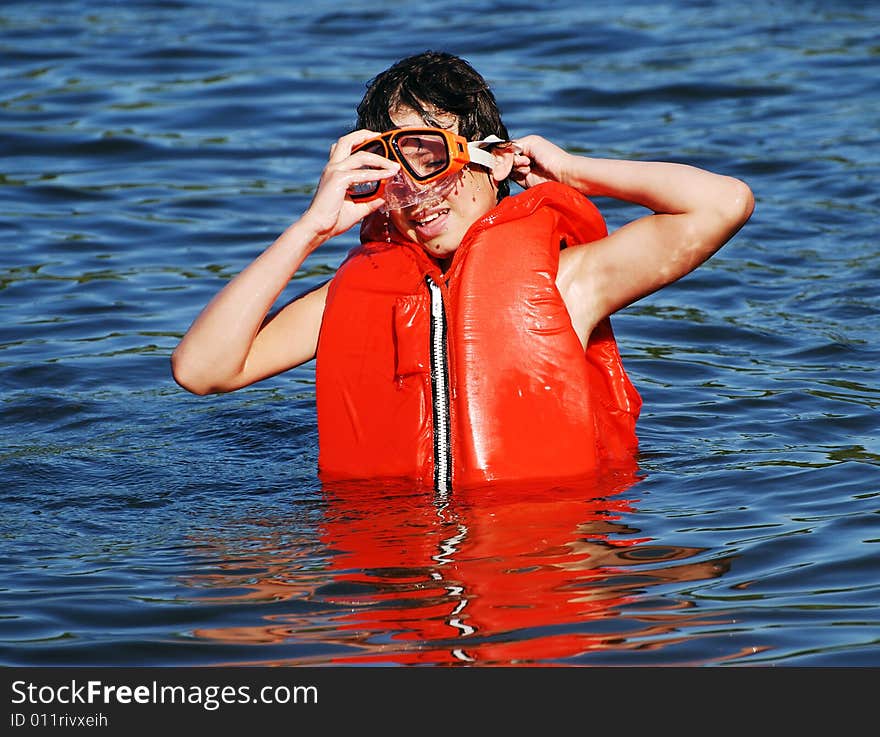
column 429, row 158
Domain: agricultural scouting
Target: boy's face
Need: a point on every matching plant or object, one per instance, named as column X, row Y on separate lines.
column 439, row 226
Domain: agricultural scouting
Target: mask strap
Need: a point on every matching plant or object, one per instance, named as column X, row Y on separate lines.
column 479, row 155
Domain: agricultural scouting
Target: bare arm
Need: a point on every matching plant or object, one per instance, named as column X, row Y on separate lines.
column 695, row 212
column 232, row 344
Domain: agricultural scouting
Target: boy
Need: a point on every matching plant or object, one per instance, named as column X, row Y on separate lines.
column 467, row 340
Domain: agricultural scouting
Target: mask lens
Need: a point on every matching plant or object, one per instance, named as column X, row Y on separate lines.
column 367, row 189
column 425, row 155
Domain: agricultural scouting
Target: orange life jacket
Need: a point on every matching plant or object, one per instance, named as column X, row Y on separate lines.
column 473, row 375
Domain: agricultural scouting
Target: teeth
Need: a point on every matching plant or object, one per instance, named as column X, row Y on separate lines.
column 430, row 218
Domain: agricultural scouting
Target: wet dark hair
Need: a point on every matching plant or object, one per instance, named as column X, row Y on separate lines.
column 434, row 80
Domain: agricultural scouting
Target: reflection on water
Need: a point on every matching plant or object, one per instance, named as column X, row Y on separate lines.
column 493, row 576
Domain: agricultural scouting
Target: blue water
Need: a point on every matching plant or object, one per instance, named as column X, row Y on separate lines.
column 150, row 150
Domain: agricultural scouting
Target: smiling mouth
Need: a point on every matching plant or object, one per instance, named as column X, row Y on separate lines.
column 430, row 217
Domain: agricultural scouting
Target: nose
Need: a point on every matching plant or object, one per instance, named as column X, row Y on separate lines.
column 401, row 191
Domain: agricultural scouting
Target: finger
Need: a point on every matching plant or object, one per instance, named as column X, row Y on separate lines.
column 343, row 146
column 374, row 205
column 356, row 169
column 376, row 161
column 337, row 153
column 359, row 210
column 357, row 176
column 388, row 169
column 362, row 176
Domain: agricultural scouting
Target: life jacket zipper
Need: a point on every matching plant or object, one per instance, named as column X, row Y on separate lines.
column 440, row 392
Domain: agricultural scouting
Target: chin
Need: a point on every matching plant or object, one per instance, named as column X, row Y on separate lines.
column 439, row 249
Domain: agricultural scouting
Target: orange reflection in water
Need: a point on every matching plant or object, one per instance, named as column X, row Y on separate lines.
column 499, row 575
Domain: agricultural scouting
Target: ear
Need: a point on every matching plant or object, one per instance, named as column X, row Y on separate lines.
column 503, row 162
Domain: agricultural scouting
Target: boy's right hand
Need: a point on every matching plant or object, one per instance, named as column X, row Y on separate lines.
column 331, row 211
